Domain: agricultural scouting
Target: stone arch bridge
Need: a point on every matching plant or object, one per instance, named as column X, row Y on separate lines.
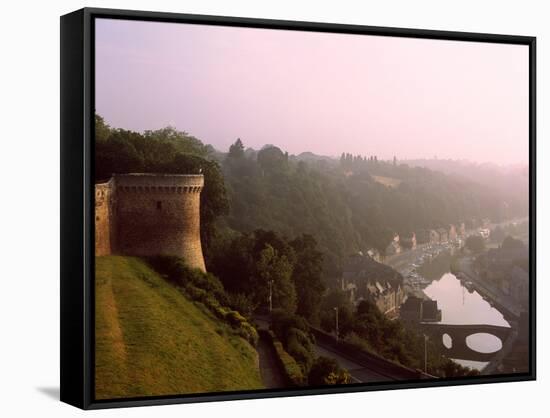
column 458, row 334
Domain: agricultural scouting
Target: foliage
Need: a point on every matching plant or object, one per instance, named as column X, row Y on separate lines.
column 307, row 277
column 206, row 289
column 511, row 243
column 475, row 243
column 291, row 368
column 325, row 371
column 275, row 270
column 342, row 205
column 293, row 332
column 252, row 262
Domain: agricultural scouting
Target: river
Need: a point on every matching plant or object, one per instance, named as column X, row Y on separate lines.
column 460, row 306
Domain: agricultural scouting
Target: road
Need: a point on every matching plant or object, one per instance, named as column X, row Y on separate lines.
column 404, row 259
column 358, row 372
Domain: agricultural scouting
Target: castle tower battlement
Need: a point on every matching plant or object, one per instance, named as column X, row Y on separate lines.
column 151, row 214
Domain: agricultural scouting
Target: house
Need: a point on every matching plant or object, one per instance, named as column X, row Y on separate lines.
column 387, row 296
column 350, row 289
column 422, row 236
column 461, row 231
column 416, row 310
column 484, row 232
column 374, row 254
column 394, row 247
column 365, row 278
column 434, row 236
column 430, row 313
column 408, row 241
column 452, row 235
column 411, row 310
column 443, row 235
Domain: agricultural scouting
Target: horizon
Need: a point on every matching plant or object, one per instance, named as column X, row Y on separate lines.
column 151, row 74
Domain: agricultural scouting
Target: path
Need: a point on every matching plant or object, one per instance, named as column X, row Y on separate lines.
column 270, row 372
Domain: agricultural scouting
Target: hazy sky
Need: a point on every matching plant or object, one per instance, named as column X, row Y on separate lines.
column 325, row 93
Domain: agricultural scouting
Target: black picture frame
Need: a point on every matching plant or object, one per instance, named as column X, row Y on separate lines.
column 77, row 203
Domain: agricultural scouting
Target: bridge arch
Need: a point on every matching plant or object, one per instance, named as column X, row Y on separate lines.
column 458, row 334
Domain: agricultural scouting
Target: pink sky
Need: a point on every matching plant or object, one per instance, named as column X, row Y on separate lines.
column 318, row 92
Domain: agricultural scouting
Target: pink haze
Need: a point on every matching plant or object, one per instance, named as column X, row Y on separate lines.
column 318, row 92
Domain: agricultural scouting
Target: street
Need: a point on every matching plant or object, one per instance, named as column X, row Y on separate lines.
column 358, row 372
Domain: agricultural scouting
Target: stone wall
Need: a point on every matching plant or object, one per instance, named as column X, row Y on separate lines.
column 157, row 214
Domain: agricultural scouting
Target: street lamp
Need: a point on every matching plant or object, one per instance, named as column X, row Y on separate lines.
column 270, row 296
column 425, row 354
column 336, row 311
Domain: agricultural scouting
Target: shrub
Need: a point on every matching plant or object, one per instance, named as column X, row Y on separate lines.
column 300, row 347
column 195, row 293
column 234, row 318
column 291, row 369
column 293, row 332
column 326, row 371
column 282, row 321
column 249, row 333
column 240, row 302
column 177, row 272
column 205, row 289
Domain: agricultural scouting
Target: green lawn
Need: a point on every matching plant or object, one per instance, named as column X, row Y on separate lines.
column 151, row 340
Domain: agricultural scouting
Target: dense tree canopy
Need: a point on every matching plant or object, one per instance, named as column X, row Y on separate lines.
column 348, row 206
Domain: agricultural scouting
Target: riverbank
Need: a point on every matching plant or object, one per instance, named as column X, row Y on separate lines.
column 504, row 303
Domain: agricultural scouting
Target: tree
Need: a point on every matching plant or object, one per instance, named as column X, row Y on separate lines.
column 181, row 141
column 272, row 159
column 102, row 130
column 511, row 243
column 307, row 276
column 475, row 243
column 326, row 371
column 277, row 270
column 343, row 160
column 498, row 234
column 236, row 150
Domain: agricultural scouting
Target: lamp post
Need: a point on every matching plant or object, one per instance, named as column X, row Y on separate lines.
column 425, row 354
column 336, row 311
column 270, row 296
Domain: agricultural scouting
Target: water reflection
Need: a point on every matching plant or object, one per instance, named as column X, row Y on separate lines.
column 459, row 306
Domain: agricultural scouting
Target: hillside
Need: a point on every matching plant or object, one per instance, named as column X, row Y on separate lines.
column 151, row 340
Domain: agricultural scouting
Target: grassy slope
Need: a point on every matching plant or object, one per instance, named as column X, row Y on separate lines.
column 151, row 340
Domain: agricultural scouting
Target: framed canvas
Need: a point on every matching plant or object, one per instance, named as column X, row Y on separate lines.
column 254, row 208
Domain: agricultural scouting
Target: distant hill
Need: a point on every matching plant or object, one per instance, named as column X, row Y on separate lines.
column 512, row 181
column 151, row 340
column 311, row 157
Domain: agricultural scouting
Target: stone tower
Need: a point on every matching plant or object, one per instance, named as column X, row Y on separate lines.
column 150, row 214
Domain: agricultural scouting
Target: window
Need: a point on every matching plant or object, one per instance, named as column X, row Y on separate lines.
column 159, row 205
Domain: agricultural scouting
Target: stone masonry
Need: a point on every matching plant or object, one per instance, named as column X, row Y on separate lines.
column 150, row 214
